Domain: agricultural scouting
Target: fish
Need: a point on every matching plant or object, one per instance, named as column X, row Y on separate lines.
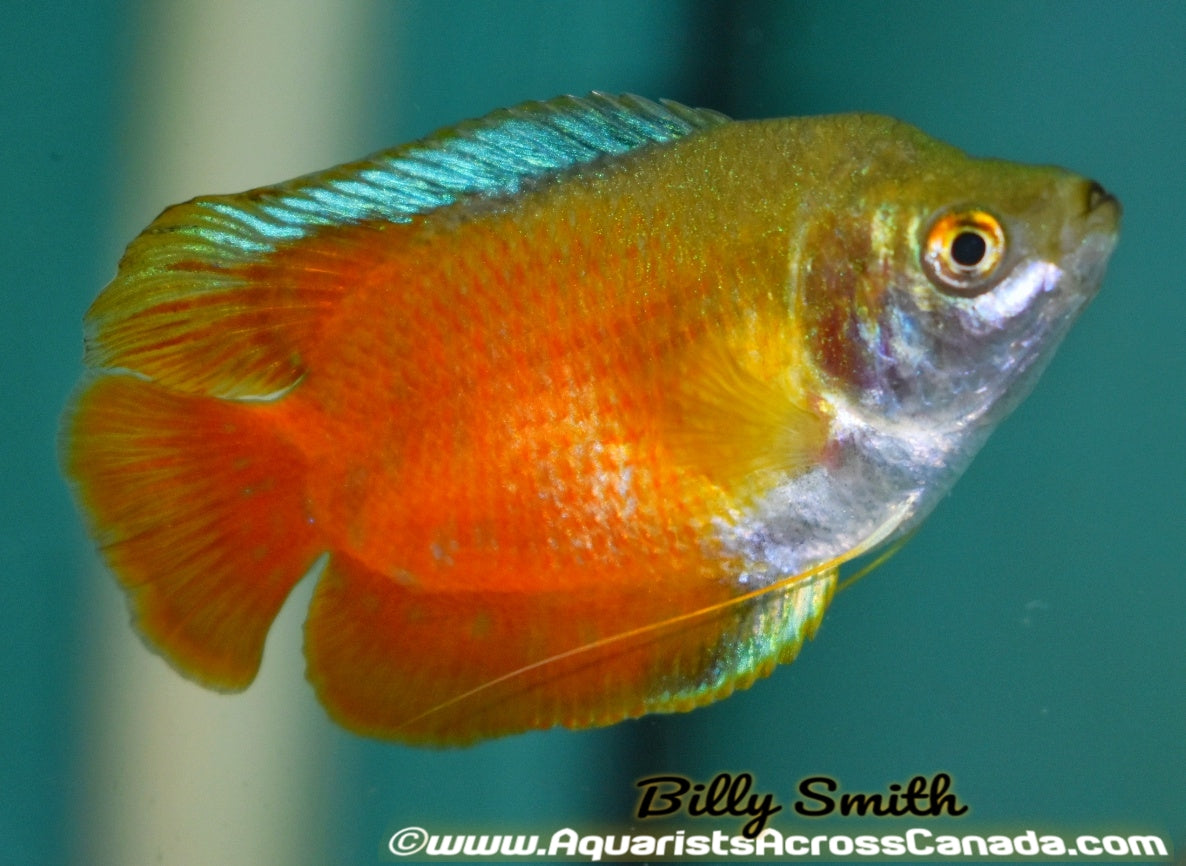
column 574, row 412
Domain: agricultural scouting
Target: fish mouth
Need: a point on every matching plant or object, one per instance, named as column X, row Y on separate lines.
column 1098, row 197
column 1089, row 239
column 1102, row 210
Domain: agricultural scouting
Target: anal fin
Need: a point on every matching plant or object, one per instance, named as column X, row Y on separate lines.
column 440, row 668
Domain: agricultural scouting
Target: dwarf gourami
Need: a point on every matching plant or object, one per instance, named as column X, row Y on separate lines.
column 580, row 406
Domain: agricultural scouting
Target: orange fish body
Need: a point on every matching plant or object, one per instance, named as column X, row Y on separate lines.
column 546, row 422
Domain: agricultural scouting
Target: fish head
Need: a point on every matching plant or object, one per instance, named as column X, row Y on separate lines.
column 939, row 286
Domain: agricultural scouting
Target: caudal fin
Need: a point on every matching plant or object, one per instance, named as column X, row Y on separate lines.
column 198, row 507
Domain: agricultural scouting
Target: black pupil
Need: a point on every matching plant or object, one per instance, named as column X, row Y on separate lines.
column 968, row 249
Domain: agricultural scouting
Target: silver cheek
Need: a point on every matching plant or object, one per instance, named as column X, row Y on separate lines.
column 899, row 446
column 882, row 482
column 994, row 309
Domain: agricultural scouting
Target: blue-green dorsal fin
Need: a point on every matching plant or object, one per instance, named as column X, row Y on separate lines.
column 203, row 272
column 492, row 156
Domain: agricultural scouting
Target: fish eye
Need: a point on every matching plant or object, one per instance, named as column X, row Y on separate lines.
column 963, row 252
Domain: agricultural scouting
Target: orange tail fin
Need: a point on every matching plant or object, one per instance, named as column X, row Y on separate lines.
column 198, row 507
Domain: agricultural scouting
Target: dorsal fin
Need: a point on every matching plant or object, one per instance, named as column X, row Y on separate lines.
column 223, row 294
column 492, row 156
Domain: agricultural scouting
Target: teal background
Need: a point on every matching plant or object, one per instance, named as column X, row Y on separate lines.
column 1029, row 640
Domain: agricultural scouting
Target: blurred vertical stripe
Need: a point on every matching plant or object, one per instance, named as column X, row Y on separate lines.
column 226, row 96
column 440, row 62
